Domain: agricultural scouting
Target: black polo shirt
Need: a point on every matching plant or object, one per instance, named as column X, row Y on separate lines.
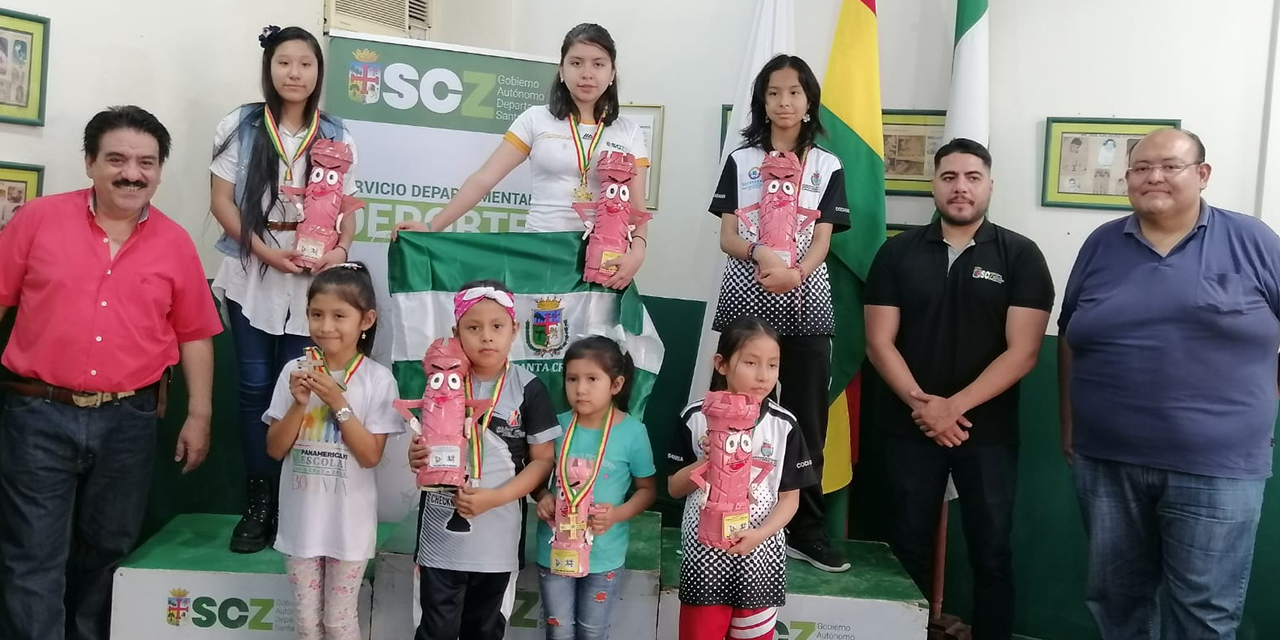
column 953, row 321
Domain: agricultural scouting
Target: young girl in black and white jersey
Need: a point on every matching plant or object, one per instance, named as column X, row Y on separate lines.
column 794, row 298
column 736, row 592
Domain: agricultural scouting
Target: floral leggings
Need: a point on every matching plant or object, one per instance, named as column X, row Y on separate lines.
column 325, row 592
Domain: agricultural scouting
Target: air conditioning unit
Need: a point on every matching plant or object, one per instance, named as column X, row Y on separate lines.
column 402, row 18
column 420, row 19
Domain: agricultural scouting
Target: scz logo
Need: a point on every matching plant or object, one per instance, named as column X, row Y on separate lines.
column 982, row 274
column 798, row 631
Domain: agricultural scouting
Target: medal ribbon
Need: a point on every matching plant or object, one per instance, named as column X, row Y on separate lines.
column 576, row 498
column 584, row 155
column 477, row 429
column 347, row 374
column 350, row 370
column 273, row 132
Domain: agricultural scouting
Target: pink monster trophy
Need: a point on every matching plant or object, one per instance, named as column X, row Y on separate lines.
column 322, row 202
column 779, row 214
column 571, row 538
column 615, row 219
column 444, row 408
column 727, row 474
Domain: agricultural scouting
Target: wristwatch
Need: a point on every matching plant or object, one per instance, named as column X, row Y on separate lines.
column 343, row 414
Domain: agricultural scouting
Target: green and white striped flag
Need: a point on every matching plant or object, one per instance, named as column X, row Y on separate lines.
column 969, row 109
column 553, row 305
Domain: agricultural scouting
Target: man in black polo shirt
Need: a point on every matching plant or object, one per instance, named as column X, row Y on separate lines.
column 956, row 311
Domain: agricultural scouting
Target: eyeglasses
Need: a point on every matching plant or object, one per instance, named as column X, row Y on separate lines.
column 1167, row 169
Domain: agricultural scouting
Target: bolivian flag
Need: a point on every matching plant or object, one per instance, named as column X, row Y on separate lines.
column 851, row 114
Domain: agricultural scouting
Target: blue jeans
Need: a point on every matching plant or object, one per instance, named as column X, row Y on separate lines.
column 261, row 357
column 1169, row 552
column 73, row 492
column 578, row 608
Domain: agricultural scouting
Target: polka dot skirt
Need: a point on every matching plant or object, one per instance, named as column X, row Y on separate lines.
column 803, row 311
column 710, row 576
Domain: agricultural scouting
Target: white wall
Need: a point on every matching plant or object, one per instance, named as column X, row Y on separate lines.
column 189, row 63
column 476, row 23
column 1094, row 58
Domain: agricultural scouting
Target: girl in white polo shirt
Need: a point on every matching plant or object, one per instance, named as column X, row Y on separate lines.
column 562, row 141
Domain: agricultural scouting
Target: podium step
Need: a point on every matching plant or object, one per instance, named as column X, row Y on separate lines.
column 198, row 542
column 875, row 598
column 185, row 583
column 395, row 610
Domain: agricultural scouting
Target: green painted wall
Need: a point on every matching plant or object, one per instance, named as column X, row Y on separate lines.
column 1049, row 541
column 679, row 324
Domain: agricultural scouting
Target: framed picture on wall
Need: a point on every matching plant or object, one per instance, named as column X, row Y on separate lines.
column 18, row 184
column 1085, row 160
column 910, row 140
column 649, row 117
column 24, row 67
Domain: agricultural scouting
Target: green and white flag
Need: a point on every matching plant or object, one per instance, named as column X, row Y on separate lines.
column 969, row 109
column 553, row 305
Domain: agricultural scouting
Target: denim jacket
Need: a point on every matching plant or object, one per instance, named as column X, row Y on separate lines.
column 331, row 128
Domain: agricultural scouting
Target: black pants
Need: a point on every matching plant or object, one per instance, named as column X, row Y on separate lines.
column 461, row 604
column 805, row 375
column 985, row 476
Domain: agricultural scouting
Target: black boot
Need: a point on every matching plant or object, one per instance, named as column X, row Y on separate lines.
column 257, row 528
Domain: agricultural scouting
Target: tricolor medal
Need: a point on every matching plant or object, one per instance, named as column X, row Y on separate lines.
column 347, row 373
column 571, row 541
column 581, row 193
column 273, row 133
column 475, row 435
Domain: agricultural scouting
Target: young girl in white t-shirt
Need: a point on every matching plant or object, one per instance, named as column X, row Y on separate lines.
column 332, row 423
column 581, row 121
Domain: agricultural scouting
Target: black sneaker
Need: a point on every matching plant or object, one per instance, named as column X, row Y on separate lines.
column 817, row 552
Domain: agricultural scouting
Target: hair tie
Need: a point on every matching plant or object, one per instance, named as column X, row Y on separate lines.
column 464, row 300
column 354, row 266
column 268, row 33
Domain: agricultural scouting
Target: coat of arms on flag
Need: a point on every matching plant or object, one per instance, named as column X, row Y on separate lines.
column 365, row 77
column 179, row 607
column 547, row 332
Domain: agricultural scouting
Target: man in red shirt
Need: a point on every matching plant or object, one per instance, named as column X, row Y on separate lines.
column 109, row 293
